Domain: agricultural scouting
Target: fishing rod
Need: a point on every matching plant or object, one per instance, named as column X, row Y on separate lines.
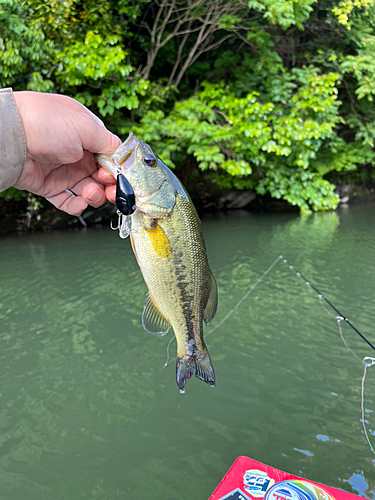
column 366, row 361
column 323, row 297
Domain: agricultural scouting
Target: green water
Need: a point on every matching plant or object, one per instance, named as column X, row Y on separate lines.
column 86, row 411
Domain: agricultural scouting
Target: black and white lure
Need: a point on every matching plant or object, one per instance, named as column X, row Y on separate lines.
column 125, row 203
column 125, row 198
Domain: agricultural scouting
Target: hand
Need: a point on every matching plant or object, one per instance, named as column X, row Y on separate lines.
column 61, row 137
column 110, row 182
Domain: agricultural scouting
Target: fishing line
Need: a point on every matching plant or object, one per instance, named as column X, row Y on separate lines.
column 246, row 295
column 167, row 361
column 234, row 308
column 367, row 364
column 342, row 336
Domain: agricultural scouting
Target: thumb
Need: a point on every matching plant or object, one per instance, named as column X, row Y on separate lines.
column 96, row 138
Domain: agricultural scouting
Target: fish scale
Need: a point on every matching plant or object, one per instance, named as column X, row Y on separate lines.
column 178, row 286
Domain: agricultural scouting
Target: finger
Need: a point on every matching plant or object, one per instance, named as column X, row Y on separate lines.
column 92, row 192
column 93, row 195
column 73, row 205
column 95, row 176
column 110, row 193
column 96, row 138
column 68, row 176
column 105, row 177
column 79, row 186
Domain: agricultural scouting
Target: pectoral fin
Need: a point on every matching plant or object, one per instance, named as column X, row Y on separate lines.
column 159, row 241
column 211, row 306
column 152, row 320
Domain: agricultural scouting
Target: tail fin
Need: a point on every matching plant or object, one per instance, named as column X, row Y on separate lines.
column 185, row 367
column 199, row 363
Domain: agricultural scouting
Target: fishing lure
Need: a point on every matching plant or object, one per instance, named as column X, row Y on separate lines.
column 125, row 198
column 125, row 203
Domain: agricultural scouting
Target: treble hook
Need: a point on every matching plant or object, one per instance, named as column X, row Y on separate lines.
column 119, row 217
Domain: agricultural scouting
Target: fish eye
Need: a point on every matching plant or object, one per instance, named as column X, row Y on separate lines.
column 149, row 160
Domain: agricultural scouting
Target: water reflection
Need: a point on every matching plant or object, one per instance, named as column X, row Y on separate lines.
column 358, row 483
column 87, row 412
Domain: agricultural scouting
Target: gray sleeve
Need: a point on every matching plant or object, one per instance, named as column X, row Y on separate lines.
column 12, row 141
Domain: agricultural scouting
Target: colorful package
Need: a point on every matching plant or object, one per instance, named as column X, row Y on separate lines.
column 251, row 480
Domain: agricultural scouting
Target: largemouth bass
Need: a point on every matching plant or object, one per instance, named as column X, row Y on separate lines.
column 167, row 241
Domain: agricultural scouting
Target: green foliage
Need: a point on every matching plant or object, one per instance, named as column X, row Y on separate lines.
column 93, row 59
column 345, row 8
column 341, row 156
column 100, row 62
column 277, row 143
column 304, row 189
column 24, row 48
column 362, row 66
column 284, row 12
column 52, row 46
column 278, row 98
column 13, row 194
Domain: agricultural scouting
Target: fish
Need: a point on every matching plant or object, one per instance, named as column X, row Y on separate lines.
column 168, row 244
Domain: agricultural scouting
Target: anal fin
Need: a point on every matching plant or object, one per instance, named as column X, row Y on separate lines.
column 152, row 319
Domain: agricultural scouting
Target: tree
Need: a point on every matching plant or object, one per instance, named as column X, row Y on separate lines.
column 192, row 25
column 276, row 95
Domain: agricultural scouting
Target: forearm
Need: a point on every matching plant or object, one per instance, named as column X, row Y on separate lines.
column 12, row 141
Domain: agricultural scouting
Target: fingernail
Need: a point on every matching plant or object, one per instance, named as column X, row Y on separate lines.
column 95, row 197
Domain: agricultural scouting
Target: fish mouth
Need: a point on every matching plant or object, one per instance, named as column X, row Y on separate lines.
column 131, row 142
column 126, row 149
